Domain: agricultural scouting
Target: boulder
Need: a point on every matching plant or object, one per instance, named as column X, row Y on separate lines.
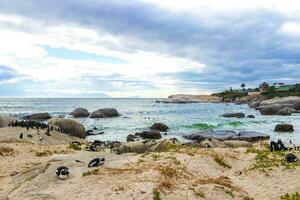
column 38, row 116
column 293, row 100
column 149, row 134
column 105, row 113
column 218, row 134
column 254, row 104
column 159, row 127
column 284, row 128
column 236, row 115
column 162, row 146
column 251, row 136
column 68, row 126
column 131, row 138
column 6, row 120
column 272, row 109
column 133, row 147
column 251, row 116
column 237, row 143
column 80, row 112
column 286, row 111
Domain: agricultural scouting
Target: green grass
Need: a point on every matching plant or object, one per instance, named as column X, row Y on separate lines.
column 248, row 198
column 74, row 146
column 295, row 196
column 156, row 194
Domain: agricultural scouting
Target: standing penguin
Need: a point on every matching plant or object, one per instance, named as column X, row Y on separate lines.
column 21, row 136
column 62, row 172
column 96, row 162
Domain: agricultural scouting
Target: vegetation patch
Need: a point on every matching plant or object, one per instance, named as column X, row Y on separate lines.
column 229, row 192
column 74, row 146
column 6, row 151
column 247, row 198
column 295, row 196
column 156, row 194
column 222, row 181
column 265, row 160
column 90, row 172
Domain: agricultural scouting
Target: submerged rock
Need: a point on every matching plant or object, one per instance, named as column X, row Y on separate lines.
column 159, row 127
column 284, row 128
column 80, row 112
column 251, row 116
column 68, row 126
column 105, row 113
column 236, row 115
column 149, row 134
column 6, row 120
column 38, row 116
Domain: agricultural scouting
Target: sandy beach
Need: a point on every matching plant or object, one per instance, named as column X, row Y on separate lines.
column 27, row 171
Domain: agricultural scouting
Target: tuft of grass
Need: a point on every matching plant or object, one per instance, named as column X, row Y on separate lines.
column 221, row 161
column 247, row 198
column 229, row 192
column 140, row 161
column 6, row 151
column 156, row 194
column 198, row 193
column 90, row 172
column 155, row 157
column 295, row 196
column 222, row 181
column 74, row 146
column 43, row 153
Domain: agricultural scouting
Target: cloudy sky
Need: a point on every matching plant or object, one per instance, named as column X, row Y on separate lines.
column 145, row 48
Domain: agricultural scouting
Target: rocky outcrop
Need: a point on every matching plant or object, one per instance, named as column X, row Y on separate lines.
column 236, row 115
column 149, row 134
column 250, row 136
column 38, row 116
column 294, row 101
column 68, row 126
column 286, row 111
column 159, row 127
column 185, row 98
column 105, row 113
column 80, row 112
column 275, row 109
column 6, row 120
column 284, row 128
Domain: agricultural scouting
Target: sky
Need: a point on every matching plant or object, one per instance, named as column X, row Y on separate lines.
column 145, row 48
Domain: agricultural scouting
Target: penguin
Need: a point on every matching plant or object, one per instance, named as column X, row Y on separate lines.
column 290, row 157
column 96, row 162
column 62, row 172
column 21, row 136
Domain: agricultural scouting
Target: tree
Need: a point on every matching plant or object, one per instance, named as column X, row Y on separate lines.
column 243, row 85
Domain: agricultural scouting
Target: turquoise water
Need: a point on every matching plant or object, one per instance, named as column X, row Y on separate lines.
column 139, row 114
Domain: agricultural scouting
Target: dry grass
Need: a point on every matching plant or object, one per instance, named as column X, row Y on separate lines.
column 46, row 152
column 6, row 151
column 220, row 160
column 222, row 180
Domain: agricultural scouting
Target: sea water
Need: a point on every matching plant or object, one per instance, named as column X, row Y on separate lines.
column 139, row 114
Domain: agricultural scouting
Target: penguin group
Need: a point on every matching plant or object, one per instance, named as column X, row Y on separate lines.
column 279, row 146
column 29, row 124
column 62, row 172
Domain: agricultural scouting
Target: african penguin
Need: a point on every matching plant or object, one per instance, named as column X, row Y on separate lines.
column 290, row 157
column 21, row 136
column 96, row 162
column 62, row 172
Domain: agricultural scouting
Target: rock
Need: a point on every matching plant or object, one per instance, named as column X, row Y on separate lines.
column 131, row 138
column 290, row 157
column 38, row 116
column 6, row 120
column 286, row 111
column 237, row 144
column 293, row 100
column 251, row 136
column 68, row 126
column 133, row 147
column 251, row 116
column 218, row 134
column 149, row 134
column 272, row 109
column 80, row 112
column 104, row 113
column 185, row 98
column 284, row 128
column 162, row 146
column 159, row 127
column 237, row 115
column 254, row 104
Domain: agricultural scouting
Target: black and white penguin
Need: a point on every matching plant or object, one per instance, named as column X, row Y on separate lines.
column 290, row 157
column 96, row 162
column 62, row 172
column 21, row 136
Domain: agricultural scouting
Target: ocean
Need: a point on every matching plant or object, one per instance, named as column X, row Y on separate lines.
column 138, row 114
